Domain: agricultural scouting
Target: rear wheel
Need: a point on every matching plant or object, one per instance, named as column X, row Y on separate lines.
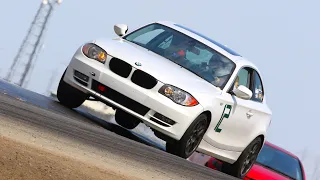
column 126, row 120
column 190, row 141
column 70, row 96
column 246, row 160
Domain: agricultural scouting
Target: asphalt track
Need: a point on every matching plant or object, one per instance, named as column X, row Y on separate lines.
column 32, row 108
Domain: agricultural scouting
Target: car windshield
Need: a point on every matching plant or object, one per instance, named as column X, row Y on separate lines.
column 280, row 162
column 184, row 51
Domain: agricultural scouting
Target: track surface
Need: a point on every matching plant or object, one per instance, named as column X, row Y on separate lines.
column 40, row 111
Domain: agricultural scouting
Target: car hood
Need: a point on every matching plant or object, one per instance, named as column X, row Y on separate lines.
column 259, row 172
column 161, row 68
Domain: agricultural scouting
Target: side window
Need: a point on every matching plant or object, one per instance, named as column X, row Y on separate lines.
column 243, row 78
column 257, row 90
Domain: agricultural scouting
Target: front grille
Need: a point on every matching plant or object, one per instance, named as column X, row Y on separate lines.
column 119, row 98
column 120, row 67
column 143, row 79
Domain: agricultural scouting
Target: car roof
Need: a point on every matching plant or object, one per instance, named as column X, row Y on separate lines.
column 281, row 149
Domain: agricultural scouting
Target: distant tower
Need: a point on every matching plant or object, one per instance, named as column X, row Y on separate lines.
column 32, row 43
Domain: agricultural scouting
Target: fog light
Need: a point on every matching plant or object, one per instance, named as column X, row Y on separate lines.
column 81, row 76
column 164, row 118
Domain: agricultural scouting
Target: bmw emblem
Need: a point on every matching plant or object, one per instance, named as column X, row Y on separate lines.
column 137, row 63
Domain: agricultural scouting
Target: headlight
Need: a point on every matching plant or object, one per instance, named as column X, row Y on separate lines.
column 178, row 96
column 94, row 52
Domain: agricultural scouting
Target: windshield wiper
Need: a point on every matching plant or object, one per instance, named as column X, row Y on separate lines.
column 269, row 167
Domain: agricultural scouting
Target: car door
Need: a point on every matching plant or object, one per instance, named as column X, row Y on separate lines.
column 238, row 118
column 261, row 114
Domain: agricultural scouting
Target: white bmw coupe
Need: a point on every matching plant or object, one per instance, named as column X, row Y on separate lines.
column 194, row 93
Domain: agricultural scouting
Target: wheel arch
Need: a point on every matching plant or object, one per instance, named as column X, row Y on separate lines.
column 209, row 116
column 260, row 131
column 262, row 136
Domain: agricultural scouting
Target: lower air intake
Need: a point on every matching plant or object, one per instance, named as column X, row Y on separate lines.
column 119, row 98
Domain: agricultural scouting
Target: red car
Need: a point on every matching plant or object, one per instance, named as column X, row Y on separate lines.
column 273, row 163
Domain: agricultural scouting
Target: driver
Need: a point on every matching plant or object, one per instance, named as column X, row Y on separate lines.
column 218, row 70
column 177, row 51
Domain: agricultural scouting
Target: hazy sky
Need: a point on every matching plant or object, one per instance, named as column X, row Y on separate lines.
column 280, row 37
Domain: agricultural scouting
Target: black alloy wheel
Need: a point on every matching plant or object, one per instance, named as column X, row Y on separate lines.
column 250, row 159
column 196, row 137
column 191, row 139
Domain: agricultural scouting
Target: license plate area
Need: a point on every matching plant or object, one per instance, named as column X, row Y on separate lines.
column 119, row 98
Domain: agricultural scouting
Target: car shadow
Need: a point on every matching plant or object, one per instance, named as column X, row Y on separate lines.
column 116, row 129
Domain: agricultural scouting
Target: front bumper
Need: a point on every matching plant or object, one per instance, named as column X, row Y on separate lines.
column 122, row 93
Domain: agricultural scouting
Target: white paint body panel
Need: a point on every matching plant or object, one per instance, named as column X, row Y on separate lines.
column 237, row 131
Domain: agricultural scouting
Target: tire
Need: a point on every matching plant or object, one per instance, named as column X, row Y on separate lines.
column 195, row 132
column 126, row 120
column 251, row 152
column 70, row 96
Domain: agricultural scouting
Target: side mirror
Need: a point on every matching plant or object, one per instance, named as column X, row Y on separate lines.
column 243, row 92
column 120, row 29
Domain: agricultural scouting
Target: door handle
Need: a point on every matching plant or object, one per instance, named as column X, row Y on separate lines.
column 249, row 114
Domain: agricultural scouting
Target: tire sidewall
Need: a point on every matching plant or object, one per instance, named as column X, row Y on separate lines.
column 235, row 169
column 68, row 95
column 126, row 120
column 183, row 141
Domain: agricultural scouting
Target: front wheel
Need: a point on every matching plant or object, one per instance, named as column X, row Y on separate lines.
column 190, row 141
column 126, row 120
column 246, row 160
column 70, row 96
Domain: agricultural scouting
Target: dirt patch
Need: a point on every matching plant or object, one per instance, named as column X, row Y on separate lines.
column 64, row 157
column 20, row 161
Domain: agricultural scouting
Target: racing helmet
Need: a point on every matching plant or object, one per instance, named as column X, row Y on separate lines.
column 218, row 66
